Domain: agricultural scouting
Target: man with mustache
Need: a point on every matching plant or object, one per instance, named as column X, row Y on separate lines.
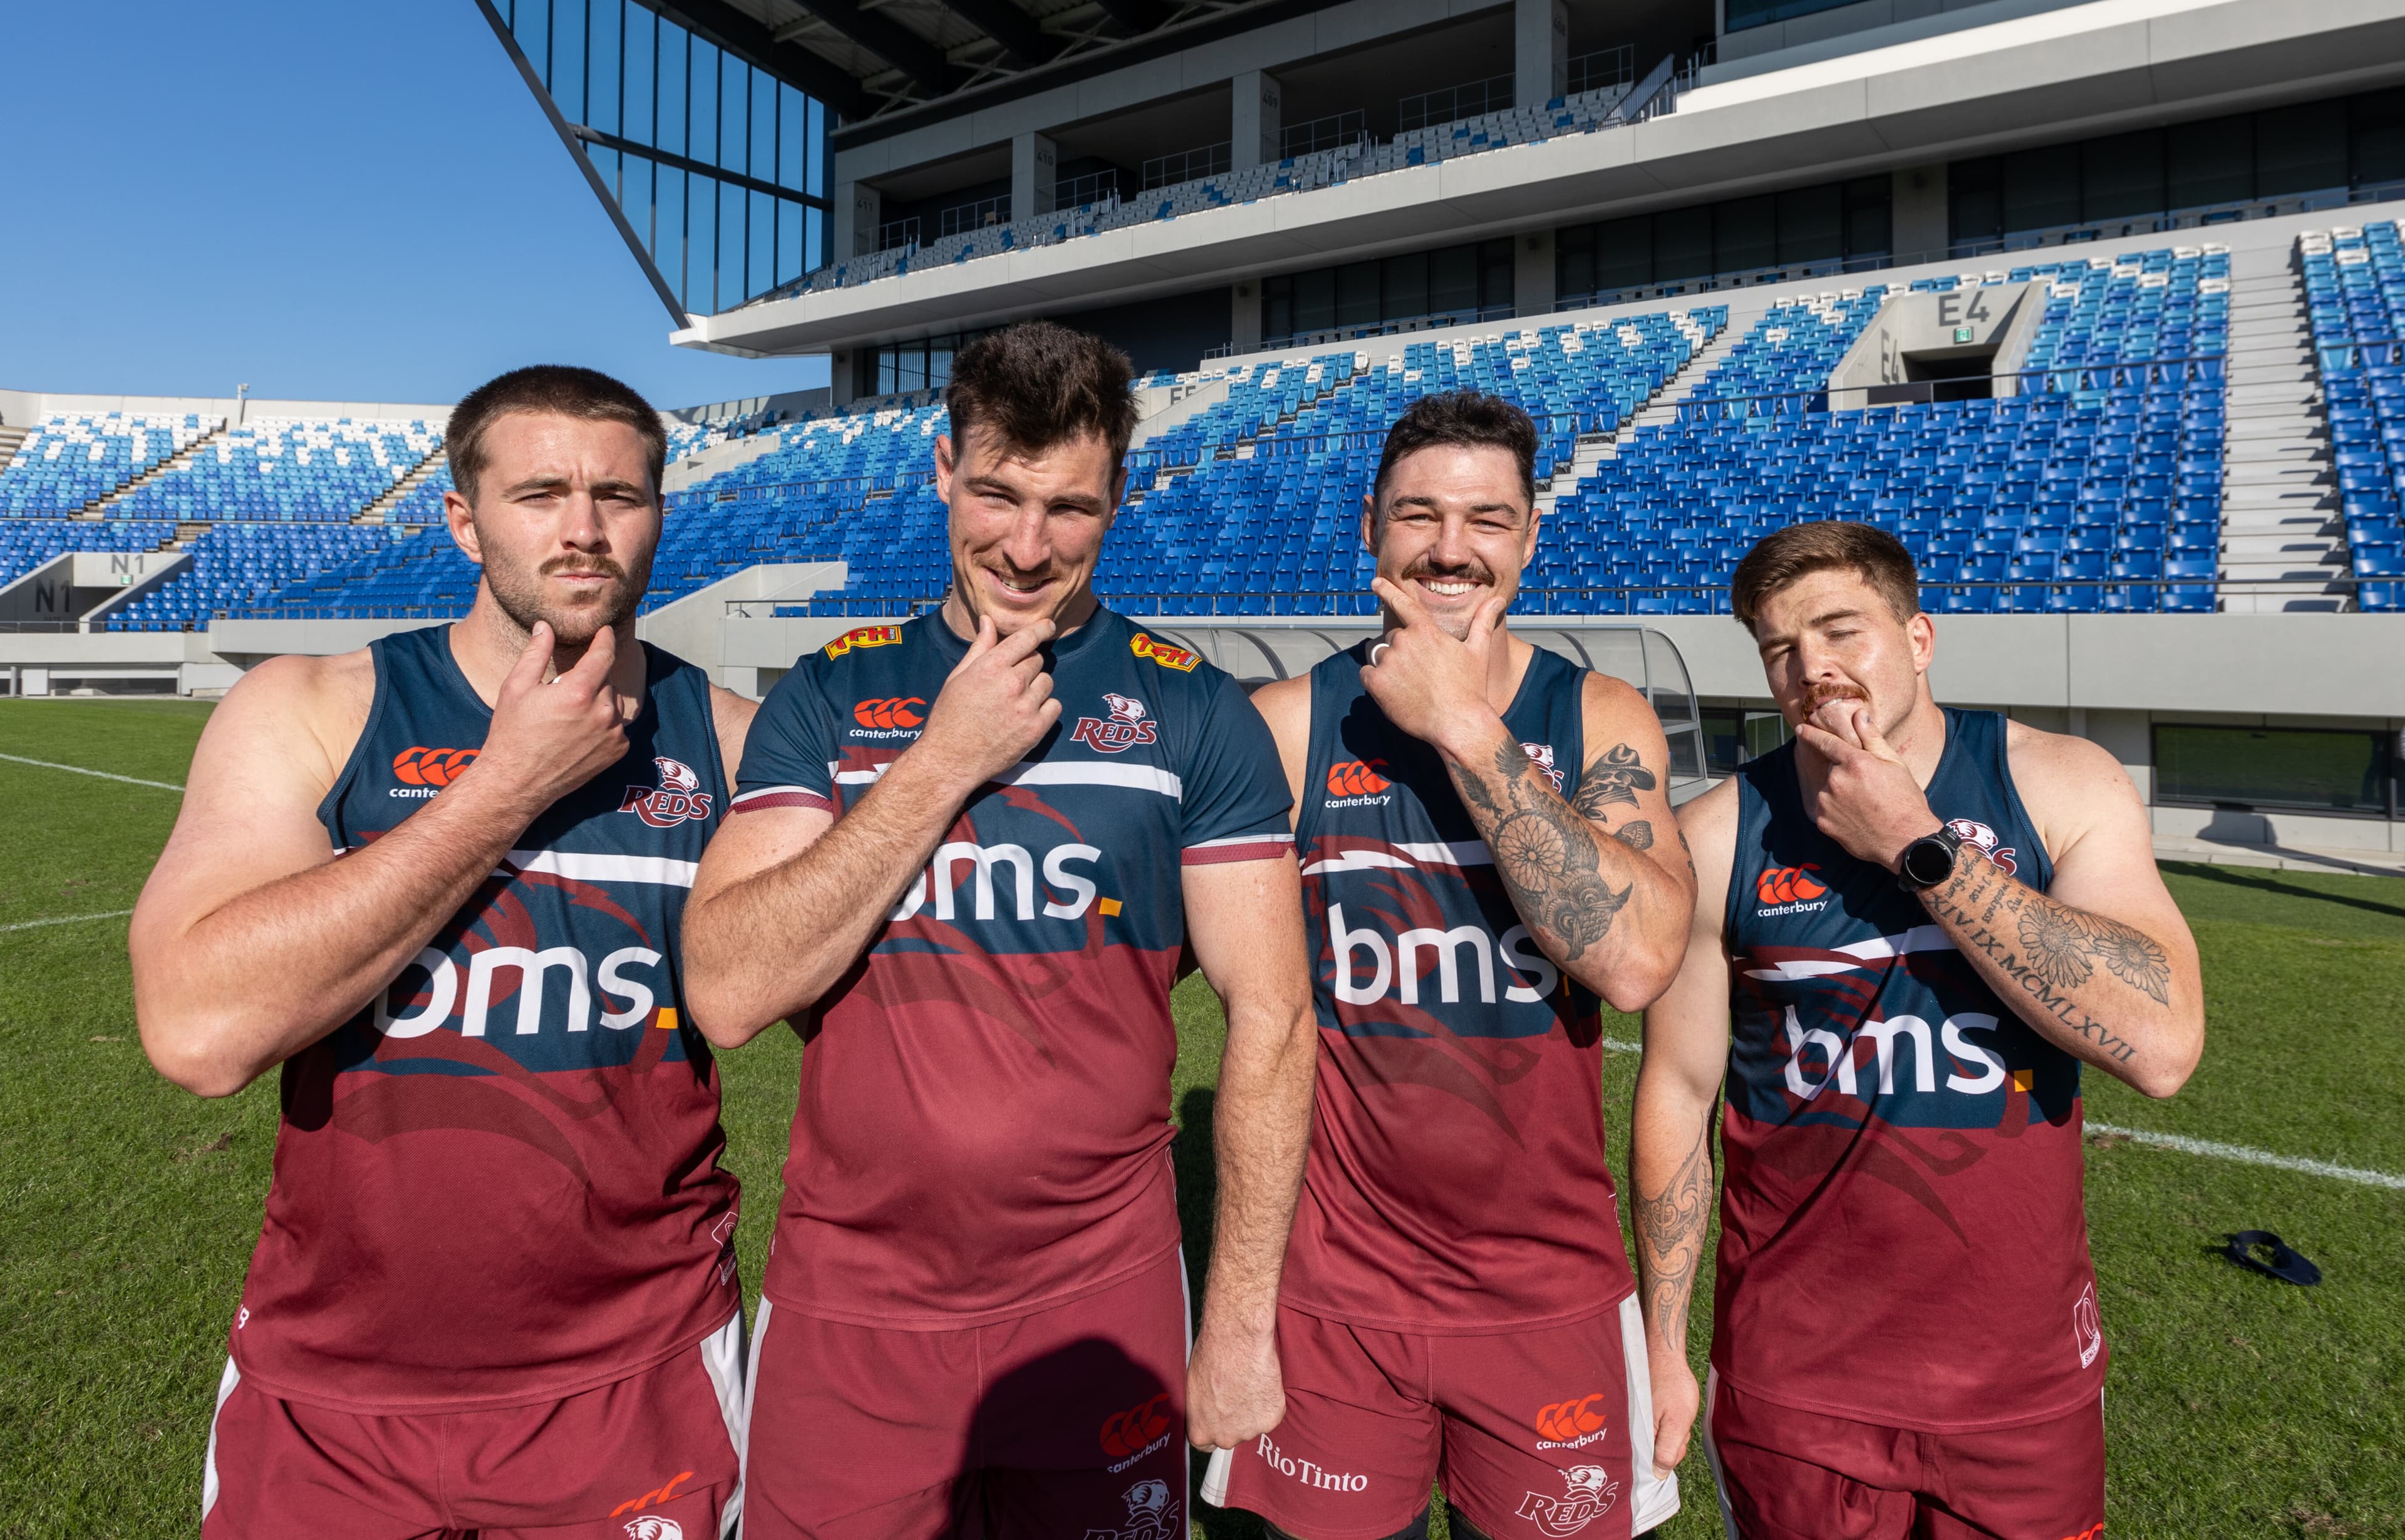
column 440, row 882
column 1478, row 820
column 970, row 848
column 1923, row 922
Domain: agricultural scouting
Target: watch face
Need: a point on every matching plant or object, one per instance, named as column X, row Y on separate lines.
column 1928, row 862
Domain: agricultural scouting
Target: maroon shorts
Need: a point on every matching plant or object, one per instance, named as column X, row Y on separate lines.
column 665, row 1444
column 1788, row 1474
column 1529, row 1433
column 1069, row 1421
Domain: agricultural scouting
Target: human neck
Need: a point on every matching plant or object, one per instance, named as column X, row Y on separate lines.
column 1506, row 666
column 487, row 644
column 1919, row 739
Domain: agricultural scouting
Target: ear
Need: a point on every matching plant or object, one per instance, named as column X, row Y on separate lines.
column 943, row 463
column 461, row 521
column 1922, row 633
column 1370, row 522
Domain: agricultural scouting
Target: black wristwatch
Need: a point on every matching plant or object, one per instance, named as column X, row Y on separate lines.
column 1928, row 860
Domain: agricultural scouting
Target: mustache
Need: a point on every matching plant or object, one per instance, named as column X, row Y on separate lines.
column 602, row 565
column 1423, row 569
column 1818, row 695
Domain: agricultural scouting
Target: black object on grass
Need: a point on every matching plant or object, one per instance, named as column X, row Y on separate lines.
column 2286, row 1265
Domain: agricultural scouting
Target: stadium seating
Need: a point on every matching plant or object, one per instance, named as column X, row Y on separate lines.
column 2355, row 293
column 27, row 543
column 71, row 459
column 285, row 471
column 232, row 564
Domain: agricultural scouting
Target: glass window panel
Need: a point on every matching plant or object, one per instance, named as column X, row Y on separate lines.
column 760, row 263
column 1975, row 196
column 735, row 141
column 701, row 86
column 1870, row 216
column 2211, row 162
column 793, row 139
column 1495, row 273
column 1811, row 224
column 602, row 52
column 530, row 24
column 2301, row 149
column 668, row 225
column 2378, row 134
column 1406, row 287
column 1314, row 299
column 816, row 238
column 2121, row 175
column 1574, row 260
column 568, row 82
column 1682, row 242
column 730, row 208
column 819, row 129
column 700, row 244
column 1277, row 306
column 1452, row 280
column 1745, row 234
column 1356, row 294
column 1624, row 252
column 642, row 33
column 2041, row 188
column 792, row 245
column 669, row 132
column 2271, row 767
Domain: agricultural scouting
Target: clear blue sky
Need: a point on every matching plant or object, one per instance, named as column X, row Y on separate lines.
column 328, row 201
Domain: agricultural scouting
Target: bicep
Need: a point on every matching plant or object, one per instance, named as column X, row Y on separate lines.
column 2109, row 867
column 753, row 840
column 1687, row 1029
column 1623, row 790
column 1244, row 921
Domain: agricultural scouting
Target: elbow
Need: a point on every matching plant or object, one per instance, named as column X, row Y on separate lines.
column 2163, row 1078
column 193, row 1055
column 1639, row 981
column 721, row 1012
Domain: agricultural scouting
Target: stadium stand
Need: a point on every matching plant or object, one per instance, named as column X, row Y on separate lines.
column 72, row 460
column 27, row 543
column 2355, row 292
column 285, row 471
column 232, row 564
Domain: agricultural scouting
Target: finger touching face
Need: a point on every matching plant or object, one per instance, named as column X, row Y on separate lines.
column 1454, row 528
column 565, row 522
column 1831, row 647
column 1026, row 528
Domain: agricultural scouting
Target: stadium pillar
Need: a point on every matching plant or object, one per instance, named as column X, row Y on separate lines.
column 1532, row 272
column 1921, row 223
column 859, row 215
column 1035, row 175
column 1259, row 115
column 1541, row 51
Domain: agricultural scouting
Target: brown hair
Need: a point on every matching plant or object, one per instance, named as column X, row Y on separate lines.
column 1465, row 418
column 561, row 390
column 1037, row 384
column 1784, row 555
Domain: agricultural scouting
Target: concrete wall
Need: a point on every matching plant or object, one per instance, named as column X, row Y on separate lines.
column 20, row 407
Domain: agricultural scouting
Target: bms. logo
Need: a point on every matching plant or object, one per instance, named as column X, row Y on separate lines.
column 678, row 797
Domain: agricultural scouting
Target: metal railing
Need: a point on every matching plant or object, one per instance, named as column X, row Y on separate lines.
column 976, row 216
column 1189, row 165
column 1602, row 69
column 1319, row 133
column 897, row 232
column 2054, row 379
column 1092, row 188
column 1471, row 99
column 1432, row 321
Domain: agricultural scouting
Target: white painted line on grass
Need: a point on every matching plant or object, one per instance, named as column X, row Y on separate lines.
column 2250, row 1156
column 1619, row 1047
column 129, row 780
column 64, row 920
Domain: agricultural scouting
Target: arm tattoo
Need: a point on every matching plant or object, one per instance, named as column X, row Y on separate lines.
column 1670, row 1239
column 1615, row 776
column 2058, row 951
column 1545, row 853
column 1637, row 836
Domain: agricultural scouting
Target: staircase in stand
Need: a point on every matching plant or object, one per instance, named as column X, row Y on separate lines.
column 1661, row 406
column 2280, row 517
column 11, row 441
column 418, row 475
column 99, row 506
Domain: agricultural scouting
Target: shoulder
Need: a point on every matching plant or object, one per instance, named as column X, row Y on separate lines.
column 731, row 714
column 310, row 710
column 2070, row 786
column 1708, row 825
column 1286, row 706
column 1606, row 701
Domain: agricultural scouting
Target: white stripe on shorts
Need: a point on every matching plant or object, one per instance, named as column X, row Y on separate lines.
column 226, row 1383
column 1712, row 1454
column 723, row 1360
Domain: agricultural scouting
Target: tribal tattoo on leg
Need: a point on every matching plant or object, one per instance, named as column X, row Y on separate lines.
column 1545, row 851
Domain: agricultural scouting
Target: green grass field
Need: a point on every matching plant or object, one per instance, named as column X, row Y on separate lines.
column 2237, row 1406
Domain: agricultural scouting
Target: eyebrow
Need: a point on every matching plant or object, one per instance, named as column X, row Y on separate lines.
column 1826, row 616
column 1077, row 500
column 1431, row 504
column 556, row 484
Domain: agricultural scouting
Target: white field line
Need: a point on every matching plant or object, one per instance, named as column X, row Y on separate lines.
column 2243, row 1154
column 64, row 920
column 2252, row 1156
column 129, row 780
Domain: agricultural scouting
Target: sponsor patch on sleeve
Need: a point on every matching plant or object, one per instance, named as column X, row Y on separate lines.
column 864, row 636
column 1162, row 654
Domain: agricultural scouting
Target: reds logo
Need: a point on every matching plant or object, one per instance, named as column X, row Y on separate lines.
column 1151, row 1515
column 678, row 797
column 1972, row 831
column 1128, row 726
column 1591, row 1493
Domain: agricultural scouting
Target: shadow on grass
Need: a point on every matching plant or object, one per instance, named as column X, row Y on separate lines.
column 2245, row 877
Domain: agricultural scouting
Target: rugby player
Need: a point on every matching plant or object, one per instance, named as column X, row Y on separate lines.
column 967, row 851
column 1487, row 847
column 439, row 881
column 1914, row 924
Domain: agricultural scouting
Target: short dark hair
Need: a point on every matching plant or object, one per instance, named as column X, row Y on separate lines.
column 1466, row 418
column 561, row 390
column 1037, row 384
column 1784, row 555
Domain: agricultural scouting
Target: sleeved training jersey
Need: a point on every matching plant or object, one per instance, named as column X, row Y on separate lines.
column 983, row 1125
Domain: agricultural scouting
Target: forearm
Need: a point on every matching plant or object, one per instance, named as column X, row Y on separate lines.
column 1608, row 917
column 2069, row 973
column 1671, row 1169
column 773, row 945
column 1261, row 1132
column 271, row 971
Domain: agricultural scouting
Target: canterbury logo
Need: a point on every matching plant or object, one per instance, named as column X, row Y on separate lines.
column 900, row 711
column 1357, row 778
column 431, row 766
column 1786, row 885
column 1563, row 1422
column 1137, row 1429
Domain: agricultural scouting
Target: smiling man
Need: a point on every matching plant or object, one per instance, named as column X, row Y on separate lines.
column 1925, row 922
column 1489, row 849
column 441, row 882
column 968, row 852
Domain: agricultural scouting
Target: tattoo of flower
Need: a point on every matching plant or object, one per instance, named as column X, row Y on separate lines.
column 2132, row 957
column 2057, row 945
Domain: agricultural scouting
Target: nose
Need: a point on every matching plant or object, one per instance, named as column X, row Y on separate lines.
column 1451, row 547
column 1028, row 546
column 580, row 525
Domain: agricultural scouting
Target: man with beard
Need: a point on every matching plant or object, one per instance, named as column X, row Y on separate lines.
column 440, row 882
column 1478, row 825
column 969, row 850
column 1923, row 922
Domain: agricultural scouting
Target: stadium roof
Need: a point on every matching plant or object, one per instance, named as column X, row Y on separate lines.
column 890, row 64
